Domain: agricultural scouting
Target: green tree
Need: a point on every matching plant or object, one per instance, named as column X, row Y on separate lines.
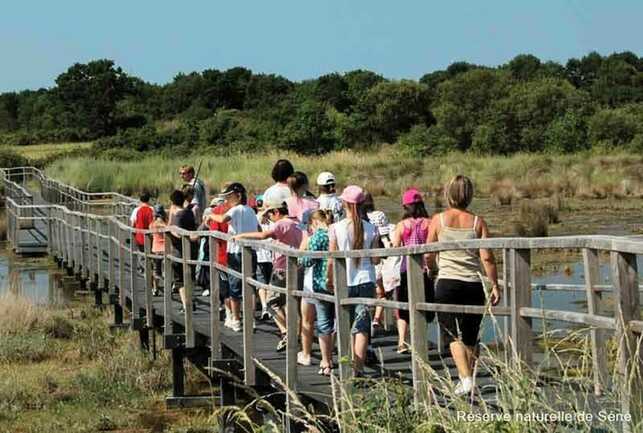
column 393, row 107
column 612, row 127
column 464, row 102
column 310, row 132
column 266, row 90
column 89, row 94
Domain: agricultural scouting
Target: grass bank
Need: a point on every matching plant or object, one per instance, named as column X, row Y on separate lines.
column 386, row 172
column 42, row 154
column 64, row 370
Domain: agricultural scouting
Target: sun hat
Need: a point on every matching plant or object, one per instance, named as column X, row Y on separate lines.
column 352, row 194
column 234, row 187
column 325, row 178
column 379, row 220
column 410, row 196
column 271, row 203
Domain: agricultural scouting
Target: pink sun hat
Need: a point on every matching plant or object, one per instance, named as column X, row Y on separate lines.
column 410, row 196
column 352, row 194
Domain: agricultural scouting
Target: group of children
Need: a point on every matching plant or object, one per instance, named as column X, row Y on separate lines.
column 289, row 214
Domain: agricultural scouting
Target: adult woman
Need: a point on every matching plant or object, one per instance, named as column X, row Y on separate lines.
column 355, row 233
column 459, row 275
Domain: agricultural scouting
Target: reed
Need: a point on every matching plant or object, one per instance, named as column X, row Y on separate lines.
column 385, row 170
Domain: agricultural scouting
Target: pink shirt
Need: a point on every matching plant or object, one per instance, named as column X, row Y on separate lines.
column 287, row 232
column 299, row 208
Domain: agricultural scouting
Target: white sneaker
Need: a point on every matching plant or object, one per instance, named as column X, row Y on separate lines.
column 303, row 359
column 205, row 293
column 227, row 322
column 235, row 325
column 464, row 386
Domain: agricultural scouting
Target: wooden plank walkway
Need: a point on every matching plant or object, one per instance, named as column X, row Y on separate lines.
column 265, row 337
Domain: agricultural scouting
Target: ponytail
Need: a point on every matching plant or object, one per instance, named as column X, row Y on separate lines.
column 358, row 230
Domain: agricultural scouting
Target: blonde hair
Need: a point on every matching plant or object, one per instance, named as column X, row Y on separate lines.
column 459, row 192
column 324, row 216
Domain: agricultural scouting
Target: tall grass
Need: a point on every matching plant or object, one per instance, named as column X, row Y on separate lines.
column 384, row 172
column 559, row 385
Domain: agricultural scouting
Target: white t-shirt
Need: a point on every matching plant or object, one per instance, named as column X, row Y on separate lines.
column 278, row 192
column 264, row 255
column 242, row 220
column 333, row 203
column 357, row 271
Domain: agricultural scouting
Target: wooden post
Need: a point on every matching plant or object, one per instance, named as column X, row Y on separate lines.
column 121, row 267
column 418, row 325
column 624, row 271
column 168, row 308
column 187, row 287
column 100, row 228
column 342, row 323
column 520, row 260
column 111, row 232
column 598, row 336
column 292, row 328
column 133, row 274
column 50, row 232
column 148, row 281
column 215, row 291
column 248, row 316
column 505, row 300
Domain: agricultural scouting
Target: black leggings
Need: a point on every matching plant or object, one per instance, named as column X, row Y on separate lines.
column 459, row 326
column 402, row 295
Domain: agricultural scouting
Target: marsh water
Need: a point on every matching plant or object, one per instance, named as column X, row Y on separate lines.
column 34, row 278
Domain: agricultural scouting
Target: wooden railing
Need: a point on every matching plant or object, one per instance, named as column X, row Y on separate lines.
column 97, row 247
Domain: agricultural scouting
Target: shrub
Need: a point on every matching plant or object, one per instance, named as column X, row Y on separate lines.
column 10, row 158
column 26, row 348
column 503, row 192
column 533, row 220
column 616, row 127
column 423, row 140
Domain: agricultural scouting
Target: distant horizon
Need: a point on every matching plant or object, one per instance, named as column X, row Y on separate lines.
column 303, row 40
column 129, row 73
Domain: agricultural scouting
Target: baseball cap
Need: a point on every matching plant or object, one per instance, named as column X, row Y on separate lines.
column 352, row 194
column 410, row 196
column 325, row 178
column 216, row 201
column 234, row 187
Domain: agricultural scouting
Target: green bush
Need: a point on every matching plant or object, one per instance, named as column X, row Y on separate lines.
column 423, row 140
column 10, row 158
column 617, row 126
column 26, row 348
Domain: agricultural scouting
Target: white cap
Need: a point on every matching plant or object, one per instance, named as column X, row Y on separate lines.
column 325, row 178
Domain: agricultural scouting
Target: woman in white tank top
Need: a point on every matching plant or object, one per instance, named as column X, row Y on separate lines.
column 459, row 276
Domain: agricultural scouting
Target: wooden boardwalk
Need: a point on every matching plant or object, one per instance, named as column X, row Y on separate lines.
column 89, row 235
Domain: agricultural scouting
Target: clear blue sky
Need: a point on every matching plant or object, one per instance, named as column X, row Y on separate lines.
column 302, row 38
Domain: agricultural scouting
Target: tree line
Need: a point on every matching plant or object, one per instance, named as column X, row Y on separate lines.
column 523, row 105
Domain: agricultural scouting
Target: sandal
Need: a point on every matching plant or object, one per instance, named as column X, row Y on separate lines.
column 402, row 349
column 325, row 371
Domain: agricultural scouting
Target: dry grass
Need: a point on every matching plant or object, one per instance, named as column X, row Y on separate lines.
column 385, row 172
column 18, row 315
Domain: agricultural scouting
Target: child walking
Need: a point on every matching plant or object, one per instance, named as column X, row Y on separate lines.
column 285, row 230
column 327, row 198
column 315, row 281
column 240, row 218
column 412, row 230
column 355, row 233
column 158, row 244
